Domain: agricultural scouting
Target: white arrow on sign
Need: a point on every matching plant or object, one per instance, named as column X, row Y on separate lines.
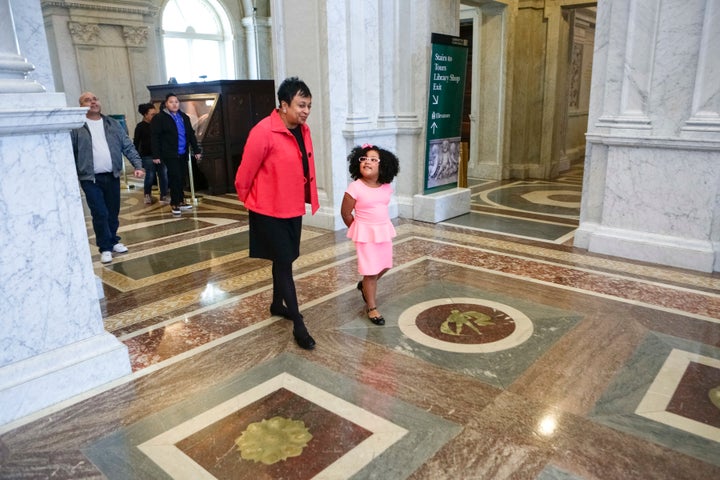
column 433, row 127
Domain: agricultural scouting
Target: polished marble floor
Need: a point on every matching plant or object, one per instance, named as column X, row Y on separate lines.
column 507, row 353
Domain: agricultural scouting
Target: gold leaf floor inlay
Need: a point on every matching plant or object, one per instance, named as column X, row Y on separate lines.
column 273, row 440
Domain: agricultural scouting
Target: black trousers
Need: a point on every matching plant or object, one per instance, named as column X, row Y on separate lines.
column 176, row 177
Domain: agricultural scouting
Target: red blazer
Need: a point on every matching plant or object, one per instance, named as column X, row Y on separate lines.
column 270, row 178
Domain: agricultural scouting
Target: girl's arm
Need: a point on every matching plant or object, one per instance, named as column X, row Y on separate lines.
column 348, row 204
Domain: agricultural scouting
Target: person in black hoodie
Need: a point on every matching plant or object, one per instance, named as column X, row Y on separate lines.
column 172, row 137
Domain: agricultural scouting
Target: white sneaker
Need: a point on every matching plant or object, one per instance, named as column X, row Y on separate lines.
column 165, row 200
column 106, row 257
column 148, row 199
column 185, row 206
column 119, row 248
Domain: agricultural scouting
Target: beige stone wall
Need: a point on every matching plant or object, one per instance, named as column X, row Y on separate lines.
column 528, row 67
column 551, row 64
column 114, row 48
column 109, row 48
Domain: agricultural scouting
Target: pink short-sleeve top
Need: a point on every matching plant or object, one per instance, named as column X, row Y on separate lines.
column 372, row 219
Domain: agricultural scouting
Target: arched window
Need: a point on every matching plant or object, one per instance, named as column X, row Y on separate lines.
column 197, row 41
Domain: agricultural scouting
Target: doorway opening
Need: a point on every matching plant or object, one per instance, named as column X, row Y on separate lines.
column 510, row 194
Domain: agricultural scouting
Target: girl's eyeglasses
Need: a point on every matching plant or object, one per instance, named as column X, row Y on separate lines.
column 369, row 159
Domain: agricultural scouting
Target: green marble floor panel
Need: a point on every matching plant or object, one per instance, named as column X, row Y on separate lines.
column 156, row 263
column 618, row 406
column 421, row 434
column 536, row 197
column 162, row 230
column 498, row 368
column 553, row 473
column 511, row 226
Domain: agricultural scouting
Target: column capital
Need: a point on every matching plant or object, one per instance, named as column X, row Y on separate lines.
column 84, row 33
column 135, row 36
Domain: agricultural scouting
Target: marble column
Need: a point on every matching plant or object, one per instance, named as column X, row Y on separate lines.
column 53, row 345
column 257, row 40
column 367, row 66
column 651, row 190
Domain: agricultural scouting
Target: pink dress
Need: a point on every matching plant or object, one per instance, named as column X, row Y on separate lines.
column 372, row 231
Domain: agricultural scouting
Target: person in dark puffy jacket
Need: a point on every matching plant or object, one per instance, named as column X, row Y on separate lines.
column 172, row 138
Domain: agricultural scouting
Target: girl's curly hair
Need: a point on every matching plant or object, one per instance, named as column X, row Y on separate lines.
column 388, row 167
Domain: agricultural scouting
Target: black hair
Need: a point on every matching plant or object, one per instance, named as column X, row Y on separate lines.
column 143, row 108
column 171, row 94
column 290, row 87
column 388, row 167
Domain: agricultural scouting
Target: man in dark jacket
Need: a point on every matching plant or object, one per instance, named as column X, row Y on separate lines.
column 172, row 138
column 98, row 147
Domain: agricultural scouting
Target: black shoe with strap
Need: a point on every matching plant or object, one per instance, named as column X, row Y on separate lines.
column 360, row 287
column 377, row 320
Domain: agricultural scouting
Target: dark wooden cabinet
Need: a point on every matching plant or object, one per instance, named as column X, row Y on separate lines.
column 222, row 113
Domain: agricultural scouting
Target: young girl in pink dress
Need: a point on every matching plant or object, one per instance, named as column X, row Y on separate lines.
column 372, row 168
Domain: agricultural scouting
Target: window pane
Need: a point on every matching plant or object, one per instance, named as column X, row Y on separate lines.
column 188, row 57
column 206, row 59
column 172, row 18
column 177, row 59
column 178, row 16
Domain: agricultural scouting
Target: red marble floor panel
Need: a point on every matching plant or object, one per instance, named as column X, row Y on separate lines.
column 495, row 324
column 215, row 450
column 692, row 396
column 165, row 342
column 625, row 288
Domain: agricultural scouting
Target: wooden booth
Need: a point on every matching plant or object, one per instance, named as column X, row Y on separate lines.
column 222, row 113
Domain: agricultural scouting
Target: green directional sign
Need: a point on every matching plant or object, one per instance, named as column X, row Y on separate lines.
column 445, row 103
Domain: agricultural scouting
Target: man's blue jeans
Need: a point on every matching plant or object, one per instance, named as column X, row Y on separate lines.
column 153, row 170
column 103, row 200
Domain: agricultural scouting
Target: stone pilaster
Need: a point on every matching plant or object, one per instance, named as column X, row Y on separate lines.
column 54, row 345
column 651, row 189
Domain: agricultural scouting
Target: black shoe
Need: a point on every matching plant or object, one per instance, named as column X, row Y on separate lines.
column 360, row 287
column 304, row 340
column 379, row 320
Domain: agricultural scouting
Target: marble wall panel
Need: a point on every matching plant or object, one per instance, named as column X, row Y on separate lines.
column 660, row 191
column 649, row 193
column 676, row 58
column 45, row 258
column 53, row 344
column 705, row 120
column 641, row 28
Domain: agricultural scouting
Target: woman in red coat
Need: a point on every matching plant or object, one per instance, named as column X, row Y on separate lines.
column 275, row 180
